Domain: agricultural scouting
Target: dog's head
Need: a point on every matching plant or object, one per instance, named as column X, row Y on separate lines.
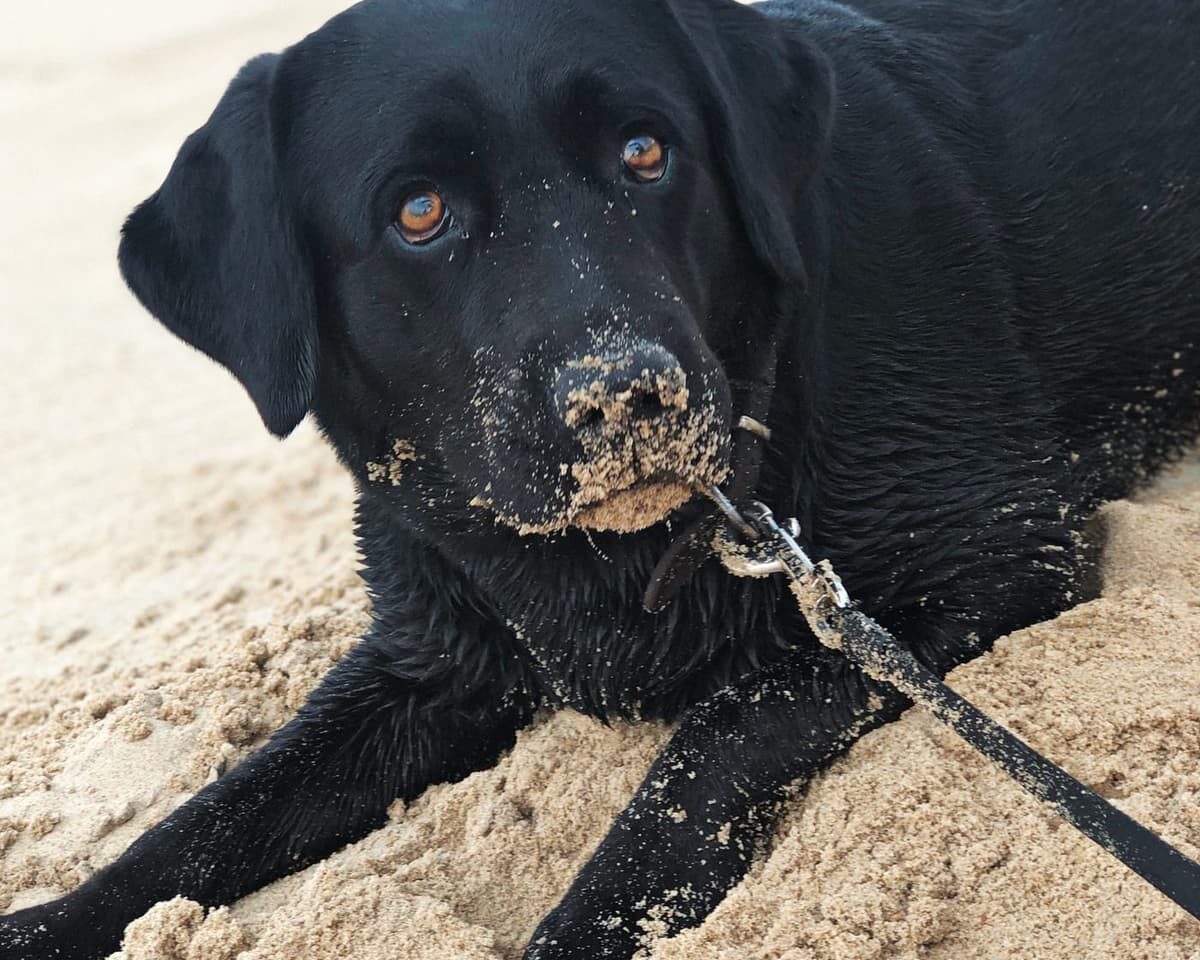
column 512, row 252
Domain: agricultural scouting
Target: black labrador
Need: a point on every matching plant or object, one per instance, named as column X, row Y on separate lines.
column 525, row 260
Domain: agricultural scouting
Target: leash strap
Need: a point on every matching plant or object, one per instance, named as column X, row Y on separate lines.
column 839, row 624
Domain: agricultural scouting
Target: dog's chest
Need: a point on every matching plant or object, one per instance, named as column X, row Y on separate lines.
column 597, row 650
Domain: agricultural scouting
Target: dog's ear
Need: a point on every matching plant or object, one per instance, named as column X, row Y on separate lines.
column 216, row 255
column 771, row 91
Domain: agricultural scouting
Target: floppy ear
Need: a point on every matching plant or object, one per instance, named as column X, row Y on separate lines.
column 215, row 255
column 772, row 97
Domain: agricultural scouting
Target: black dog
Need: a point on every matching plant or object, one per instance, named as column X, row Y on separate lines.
column 524, row 260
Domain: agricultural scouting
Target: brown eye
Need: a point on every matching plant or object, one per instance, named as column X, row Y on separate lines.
column 645, row 158
column 422, row 217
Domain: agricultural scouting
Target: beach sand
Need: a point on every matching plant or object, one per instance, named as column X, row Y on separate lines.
column 174, row 582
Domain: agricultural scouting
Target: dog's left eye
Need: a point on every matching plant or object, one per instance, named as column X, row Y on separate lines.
column 645, row 158
column 423, row 217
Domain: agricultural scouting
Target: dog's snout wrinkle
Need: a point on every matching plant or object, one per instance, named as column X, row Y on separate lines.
column 638, row 384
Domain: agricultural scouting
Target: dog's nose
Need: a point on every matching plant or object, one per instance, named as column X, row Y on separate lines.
column 617, row 387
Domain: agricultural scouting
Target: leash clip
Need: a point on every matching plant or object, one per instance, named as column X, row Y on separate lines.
column 766, row 548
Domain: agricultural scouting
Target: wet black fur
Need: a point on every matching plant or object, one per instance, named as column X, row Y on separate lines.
column 979, row 223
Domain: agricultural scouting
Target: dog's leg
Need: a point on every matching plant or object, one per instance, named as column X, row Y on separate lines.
column 709, row 802
column 387, row 722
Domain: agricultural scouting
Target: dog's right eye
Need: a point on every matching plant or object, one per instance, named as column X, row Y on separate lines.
column 645, row 158
column 423, row 217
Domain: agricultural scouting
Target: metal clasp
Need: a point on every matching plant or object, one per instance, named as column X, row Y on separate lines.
column 768, row 549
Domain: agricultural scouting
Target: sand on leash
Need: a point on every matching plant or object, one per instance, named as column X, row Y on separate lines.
column 174, row 583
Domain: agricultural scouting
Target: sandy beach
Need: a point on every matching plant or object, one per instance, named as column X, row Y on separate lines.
column 174, row 582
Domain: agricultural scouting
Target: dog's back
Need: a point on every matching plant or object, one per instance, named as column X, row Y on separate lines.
column 1074, row 128
column 1101, row 214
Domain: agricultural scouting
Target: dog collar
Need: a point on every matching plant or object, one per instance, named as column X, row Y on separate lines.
column 688, row 552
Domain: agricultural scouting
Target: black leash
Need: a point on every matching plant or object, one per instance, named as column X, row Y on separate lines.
column 764, row 548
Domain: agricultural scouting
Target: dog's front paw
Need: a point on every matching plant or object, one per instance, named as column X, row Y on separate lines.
column 50, row 932
column 605, row 920
column 25, row 940
column 572, row 931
